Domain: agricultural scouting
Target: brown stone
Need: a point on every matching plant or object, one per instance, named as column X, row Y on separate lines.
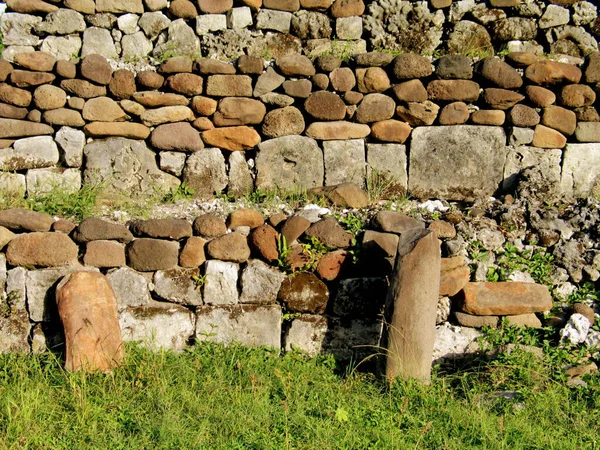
column 390, row 131
column 587, row 114
column 330, row 233
column 455, row 113
column 282, row 5
column 49, row 97
column 232, row 138
column 328, row 63
column 203, row 124
column 148, row 255
column 295, row 65
column 294, row 227
column 504, row 298
column 244, row 218
column 418, row 114
column 500, row 73
column 83, row 88
column 154, row 99
column 209, row 225
column 103, row 109
column 36, row 116
column 577, row 95
column 408, row 66
column 325, row 105
column 552, row 72
column 374, row 108
column 560, row 119
column 25, row 78
column 276, row 219
column 540, row 96
column 31, row 6
column 347, row 8
column 353, row 98
column 166, row 114
column 229, row 86
column 342, row 79
column 41, row 249
column 14, row 96
column 22, row 128
column 229, row 247
column 524, row 320
column 5, row 69
column 253, row 4
column 453, row 280
column 65, row 69
column 321, row 81
column 87, row 307
column 443, row 229
column 204, row 106
column 183, row 9
column 104, row 254
column 377, row 245
column 150, row 79
column 395, row 222
column 63, row 226
column 64, row 116
column 215, row 6
column 177, row 64
column 304, row 292
column 234, row 111
column 374, row 59
column 175, row 229
column 82, row 6
column 122, row 84
column 345, row 195
column 76, row 103
column 96, row 68
column 12, row 112
column 38, row 61
column 523, row 116
column 439, row 4
column 522, row 58
column 192, row 254
column 501, row 98
column 331, row 265
column 5, row 236
column 298, row 88
column 337, row 130
column 263, row 242
column 250, row 65
column 124, row 129
column 544, row 137
column 584, row 310
column 24, row 220
column 410, row 91
column 180, row 136
column 453, row 90
column 488, row 117
column 283, row 122
column 185, row 83
column 471, row 321
column 372, row 79
column 94, row 229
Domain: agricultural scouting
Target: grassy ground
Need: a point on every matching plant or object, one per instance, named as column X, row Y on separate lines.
column 234, row 398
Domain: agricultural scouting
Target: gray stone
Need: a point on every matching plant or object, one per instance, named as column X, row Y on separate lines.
column 209, row 23
column 238, row 18
column 345, row 339
column 580, row 169
column 456, row 163
column 521, row 136
column 181, row 39
column 125, row 165
column 311, row 25
column 29, row 153
column 349, row 27
column 587, row 132
column 240, row 176
column 220, row 287
column 469, row 38
column 269, row 19
column 98, row 41
column 260, row 283
column 277, row 100
column 205, row 172
column 521, row 158
column 172, row 162
column 267, row 82
column 128, row 23
column 389, row 161
column 12, row 184
column 14, row 329
column 135, row 46
column 43, row 181
column 289, row 162
column 102, row 20
column 249, row 325
column 131, row 287
column 158, row 326
column 452, row 341
column 515, row 29
column 153, row 23
column 344, row 162
column 16, row 282
column 9, row 53
column 63, row 21
column 586, row 43
column 584, row 13
column 554, row 16
column 178, row 286
column 17, row 29
column 62, row 47
column 71, row 142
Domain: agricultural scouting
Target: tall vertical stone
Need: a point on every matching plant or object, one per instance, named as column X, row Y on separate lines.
column 414, row 296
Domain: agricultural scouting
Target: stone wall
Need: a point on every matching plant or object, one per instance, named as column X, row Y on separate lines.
column 132, row 95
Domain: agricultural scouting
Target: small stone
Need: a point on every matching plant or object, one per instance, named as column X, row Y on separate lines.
column 232, row 138
column 325, row 105
column 192, row 254
column 175, row 229
column 390, row 131
column 104, row 254
column 209, row 225
column 524, row 320
column 215, row 6
column 577, row 95
column 374, row 108
column 20, row 220
column 297, row 65
column 540, row 96
column 94, row 229
column 347, row 8
column 297, row 88
column 373, row 79
column 501, row 98
column 587, row 132
column 230, row 247
column 178, row 285
column 586, row 311
column 148, row 255
column 523, row 116
column 408, row 66
column 552, row 72
column 330, row 233
column 469, row 320
column 455, row 113
column 38, row 61
column 96, row 68
column 283, row 122
column 453, row 280
column 304, row 292
column 229, row 86
column 410, row 91
column 260, row 283
column 488, row 117
column 453, row 90
column 418, row 114
column 338, row 130
column 560, row 119
column 176, row 64
column 263, row 241
column 500, row 73
column 150, row 79
column 395, row 222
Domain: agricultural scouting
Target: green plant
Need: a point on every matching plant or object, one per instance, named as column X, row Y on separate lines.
column 353, row 223
column 537, row 263
column 199, row 281
column 67, row 203
column 314, row 249
column 284, row 252
column 477, row 251
column 381, row 186
column 181, row 192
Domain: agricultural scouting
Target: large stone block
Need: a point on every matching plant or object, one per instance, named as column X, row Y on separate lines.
column 29, row 153
column 344, row 162
column 158, row 326
column 389, row 161
column 249, row 325
column 289, row 162
column 580, row 170
column 205, row 172
column 43, row 181
column 220, row 287
column 456, row 162
column 503, row 299
column 521, row 158
column 131, row 287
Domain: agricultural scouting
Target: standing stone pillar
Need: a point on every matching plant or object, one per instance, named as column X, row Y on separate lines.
column 87, row 307
column 413, row 295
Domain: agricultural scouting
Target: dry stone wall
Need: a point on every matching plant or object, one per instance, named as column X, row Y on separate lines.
column 134, row 96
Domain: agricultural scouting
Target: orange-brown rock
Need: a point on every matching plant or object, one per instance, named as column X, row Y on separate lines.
column 245, row 218
column 205, row 106
column 153, row 99
column 488, row 117
column 294, row 227
column 233, row 111
column 552, row 72
column 453, row 90
column 130, row 130
column 577, row 95
column 411, row 91
column 122, row 84
column 185, row 83
column 304, row 292
column 96, row 69
column 49, row 97
column 501, row 98
column 64, row 116
column 31, row 6
column 150, row 79
column 41, row 249
column 325, row 105
column 192, row 254
column 453, row 280
column 544, row 137
column 540, row 96
column 390, row 131
column 372, row 79
column 454, row 113
column 337, row 130
column 83, row 88
column 443, row 229
column 215, row 6
column 503, row 299
column 104, row 254
column 331, row 265
column 14, row 96
column 177, row 64
column 560, row 119
column 232, row 138
column 20, row 220
column 25, row 78
column 87, row 307
column 263, row 242
column 38, row 61
column 347, row 8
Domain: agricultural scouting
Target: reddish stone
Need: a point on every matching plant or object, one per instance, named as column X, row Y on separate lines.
column 245, row 218
column 552, row 72
column 503, row 299
column 294, row 227
column 229, row 247
column 104, row 254
column 263, row 241
column 331, row 264
column 192, row 254
column 453, row 280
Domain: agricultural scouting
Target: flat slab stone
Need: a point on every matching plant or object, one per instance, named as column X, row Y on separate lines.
column 456, row 163
column 249, row 325
column 580, row 169
column 327, row 131
column 22, row 128
column 24, row 220
column 504, row 298
column 41, row 249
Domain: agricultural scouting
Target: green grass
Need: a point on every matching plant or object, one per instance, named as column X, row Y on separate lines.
column 235, row 398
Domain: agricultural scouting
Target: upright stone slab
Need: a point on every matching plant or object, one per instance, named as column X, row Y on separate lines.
column 344, row 162
column 456, row 162
column 414, row 295
column 221, row 283
column 88, row 311
column 580, row 169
